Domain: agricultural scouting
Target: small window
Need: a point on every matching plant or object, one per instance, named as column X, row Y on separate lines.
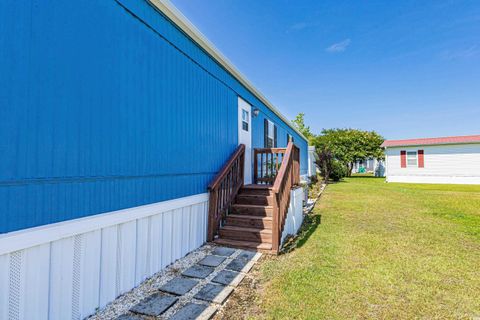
column 245, row 119
column 270, row 135
column 289, row 138
column 412, row 160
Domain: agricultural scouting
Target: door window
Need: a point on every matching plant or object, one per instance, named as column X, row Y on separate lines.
column 245, row 120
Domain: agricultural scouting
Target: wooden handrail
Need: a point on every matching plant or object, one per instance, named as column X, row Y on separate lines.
column 271, row 150
column 266, row 163
column 223, row 190
column 221, row 174
column 283, row 169
column 287, row 177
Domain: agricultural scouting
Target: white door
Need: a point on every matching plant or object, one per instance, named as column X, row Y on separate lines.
column 245, row 135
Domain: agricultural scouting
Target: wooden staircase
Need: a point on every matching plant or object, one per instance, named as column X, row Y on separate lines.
column 249, row 224
column 253, row 216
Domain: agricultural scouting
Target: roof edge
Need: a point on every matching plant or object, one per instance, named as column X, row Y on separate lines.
column 470, row 139
column 186, row 26
column 426, row 144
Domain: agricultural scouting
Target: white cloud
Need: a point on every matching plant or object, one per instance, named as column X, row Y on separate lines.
column 339, row 46
column 464, row 53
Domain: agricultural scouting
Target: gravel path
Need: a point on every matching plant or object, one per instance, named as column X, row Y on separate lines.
column 229, row 268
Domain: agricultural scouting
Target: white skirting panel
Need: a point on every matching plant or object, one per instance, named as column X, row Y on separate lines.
column 294, row 219
column 434, row 179
column 67, row 270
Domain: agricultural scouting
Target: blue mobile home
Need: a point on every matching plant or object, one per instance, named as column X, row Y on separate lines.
column 115, row 116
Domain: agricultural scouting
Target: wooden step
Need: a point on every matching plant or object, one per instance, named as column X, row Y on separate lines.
column 258, row 246
column 253, row 210
column 246, row 234
column 240, row 220
column 256, row 189
column 262, row 200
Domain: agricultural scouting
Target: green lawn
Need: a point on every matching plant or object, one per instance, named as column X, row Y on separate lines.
column 381, row 251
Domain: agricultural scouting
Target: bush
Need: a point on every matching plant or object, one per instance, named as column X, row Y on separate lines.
column 338, row 171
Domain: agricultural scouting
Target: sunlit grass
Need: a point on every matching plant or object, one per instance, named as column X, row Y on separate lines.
column 382, row 251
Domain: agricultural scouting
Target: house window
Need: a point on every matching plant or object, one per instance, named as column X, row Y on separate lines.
column 289, row 138
column 412, row 159
column 270, row 134
column 245, row 119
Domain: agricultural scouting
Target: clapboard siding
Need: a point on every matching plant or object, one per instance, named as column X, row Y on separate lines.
column 68, row 278
column 458, row 163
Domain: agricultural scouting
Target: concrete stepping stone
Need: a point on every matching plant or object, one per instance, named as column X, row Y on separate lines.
column 246, row 255
column 237, row 264
column 190, row 311
column 214, row 293
column 212, row 261
column 227, row 277
column 154, row 305
column 222, row 251
column 198, row 271
column 130, row 317
column 179, row 285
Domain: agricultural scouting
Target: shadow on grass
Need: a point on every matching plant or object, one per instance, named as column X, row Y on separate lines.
column 365, row 177
column 309, row 225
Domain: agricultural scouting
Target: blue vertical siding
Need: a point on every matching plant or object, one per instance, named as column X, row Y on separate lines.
column 106, row 105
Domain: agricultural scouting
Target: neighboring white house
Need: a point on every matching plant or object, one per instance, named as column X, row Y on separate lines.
column 312, row 159
column 433, row 160
column 369, row 165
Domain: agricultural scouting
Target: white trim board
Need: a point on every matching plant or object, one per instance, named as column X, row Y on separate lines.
column 27, row 238
column 433, row 179
column 186, row 26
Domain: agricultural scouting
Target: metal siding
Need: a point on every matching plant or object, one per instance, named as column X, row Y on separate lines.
column 104, row 109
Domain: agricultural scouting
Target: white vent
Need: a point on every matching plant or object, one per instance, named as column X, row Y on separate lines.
column 15, row 279
column 119, row 261
column 76, row 277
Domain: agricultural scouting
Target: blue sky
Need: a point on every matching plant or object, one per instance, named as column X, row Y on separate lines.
column 403, row 68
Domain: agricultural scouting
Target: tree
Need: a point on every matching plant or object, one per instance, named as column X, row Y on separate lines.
column 299, row 123
column 350, row 145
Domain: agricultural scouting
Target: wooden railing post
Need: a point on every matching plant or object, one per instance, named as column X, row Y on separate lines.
column 212, row 215
column 255, row 166
column 275, row 223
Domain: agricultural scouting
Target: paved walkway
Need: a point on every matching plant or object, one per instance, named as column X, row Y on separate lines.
column 198, row 289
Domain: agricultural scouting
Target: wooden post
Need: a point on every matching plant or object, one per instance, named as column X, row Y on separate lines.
column 255, row 166
column 212, row 207
column 275, row 223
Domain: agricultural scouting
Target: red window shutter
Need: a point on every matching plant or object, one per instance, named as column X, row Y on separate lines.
column 421, row 159
column 403, row 159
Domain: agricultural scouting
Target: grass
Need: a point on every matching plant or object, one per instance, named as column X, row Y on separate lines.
column 381, row 251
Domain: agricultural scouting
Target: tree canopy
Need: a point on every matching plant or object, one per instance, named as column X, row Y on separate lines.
column 299, row 123
column 350, row 145
column 345, row 146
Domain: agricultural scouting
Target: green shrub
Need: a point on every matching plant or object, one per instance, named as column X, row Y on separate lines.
column 338, row 171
